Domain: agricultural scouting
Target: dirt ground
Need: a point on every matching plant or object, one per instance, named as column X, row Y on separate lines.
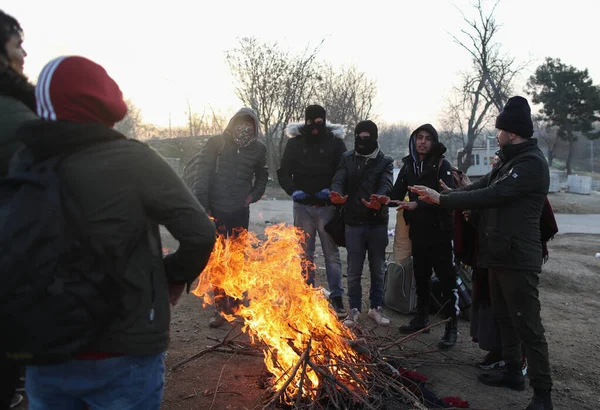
column 570, row 297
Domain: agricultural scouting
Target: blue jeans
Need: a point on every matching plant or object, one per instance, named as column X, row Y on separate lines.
column 360, row 240
column 120, row 383
column 312, row 219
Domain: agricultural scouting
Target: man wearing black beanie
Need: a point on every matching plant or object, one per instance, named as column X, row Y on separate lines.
column 363, row 172
column 309, row 161
column 510, row 199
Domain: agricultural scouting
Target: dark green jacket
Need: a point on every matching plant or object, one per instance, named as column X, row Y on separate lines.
column 13, row 113
column 510, row 199
column 126, row 190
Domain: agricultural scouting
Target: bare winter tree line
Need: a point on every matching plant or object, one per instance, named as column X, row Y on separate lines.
column 279, row 84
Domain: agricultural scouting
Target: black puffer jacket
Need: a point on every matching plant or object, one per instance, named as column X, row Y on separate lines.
column 428, row 223
column 510, row 199
column 223, row 174
column 17, row 105
column 359, row 179
column 310, row 166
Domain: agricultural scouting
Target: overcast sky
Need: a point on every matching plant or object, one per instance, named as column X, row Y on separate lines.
column 163, row 54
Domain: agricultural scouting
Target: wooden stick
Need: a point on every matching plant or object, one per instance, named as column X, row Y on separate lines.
column 291, row 378
column 196, row 355
column 339, row 384
column 411, row 336
column 299, row 397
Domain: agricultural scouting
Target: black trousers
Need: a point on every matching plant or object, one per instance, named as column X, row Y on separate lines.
column 437, row 257
column 229, row 224
column 516, row 306
column 9, row 380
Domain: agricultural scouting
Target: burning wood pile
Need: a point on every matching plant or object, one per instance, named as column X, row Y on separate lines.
column 314, row 360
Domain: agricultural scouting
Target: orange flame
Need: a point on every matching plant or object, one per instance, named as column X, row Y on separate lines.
column 282, row 312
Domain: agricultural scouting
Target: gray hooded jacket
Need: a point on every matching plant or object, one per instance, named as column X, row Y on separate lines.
column 223, row 174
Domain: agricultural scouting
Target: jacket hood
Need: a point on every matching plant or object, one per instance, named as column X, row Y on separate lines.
column 338, row 130
column 46, row 139
column 244, row 112
column 15, row 85
column 437, row 148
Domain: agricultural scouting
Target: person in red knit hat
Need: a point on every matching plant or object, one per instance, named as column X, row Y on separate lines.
column 124, row 190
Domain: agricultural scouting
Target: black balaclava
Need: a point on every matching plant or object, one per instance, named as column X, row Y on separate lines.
column 365, row 146
column 311, row 113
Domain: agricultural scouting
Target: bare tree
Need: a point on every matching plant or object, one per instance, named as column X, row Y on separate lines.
column 489, row 83
column 347, row 94
column 194, row 121
column 393, row 139
column 452, row 133
column 276, row 84
column 131, row 124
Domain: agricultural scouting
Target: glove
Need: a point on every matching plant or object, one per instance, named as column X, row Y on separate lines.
column 299, row 195
column 323, row 194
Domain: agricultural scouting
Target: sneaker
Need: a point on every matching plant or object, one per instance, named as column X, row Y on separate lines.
column 491, row 361
column 16, row 400
column 352, row 318
column 378, row 316
column 217, row 320
column 338, row 306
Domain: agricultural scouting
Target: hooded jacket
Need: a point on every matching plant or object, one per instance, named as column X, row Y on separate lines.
column 222, row 175
column 125, row 190
column 308, row 165
column 428, row 223
column 17, row 105
column 510, row 200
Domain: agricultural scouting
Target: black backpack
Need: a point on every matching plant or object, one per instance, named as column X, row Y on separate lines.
column 58, row 290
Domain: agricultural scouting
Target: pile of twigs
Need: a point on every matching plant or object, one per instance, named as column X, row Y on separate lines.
column 374, row 382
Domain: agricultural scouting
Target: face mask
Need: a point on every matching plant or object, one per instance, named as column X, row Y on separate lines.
column 244, row 134
column 365, row 146
column 320, row 128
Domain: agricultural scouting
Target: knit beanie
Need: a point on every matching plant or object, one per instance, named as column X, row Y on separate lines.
column 78, row 90
column 515, row 117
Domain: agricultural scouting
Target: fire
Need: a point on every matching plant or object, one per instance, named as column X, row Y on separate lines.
column 282, row 312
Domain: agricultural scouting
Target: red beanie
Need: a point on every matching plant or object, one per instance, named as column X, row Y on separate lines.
column 78, row 90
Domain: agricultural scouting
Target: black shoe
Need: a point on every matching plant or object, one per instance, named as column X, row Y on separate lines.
column 492, row 360
column 540, row 401
column 511, row 379
column 338, row 306
column 449, row 339
column 419, row 322
column 216, row 320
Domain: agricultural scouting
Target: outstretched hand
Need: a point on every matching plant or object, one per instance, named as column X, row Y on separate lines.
column 373, row 204
column 426, row 194
column 337, row 199
column 444, row 186
column 382, row 199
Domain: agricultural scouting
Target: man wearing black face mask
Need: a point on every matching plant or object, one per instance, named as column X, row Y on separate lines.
column 363, row 172
column 308, row 164
column 430, row 228
column 227, row 176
